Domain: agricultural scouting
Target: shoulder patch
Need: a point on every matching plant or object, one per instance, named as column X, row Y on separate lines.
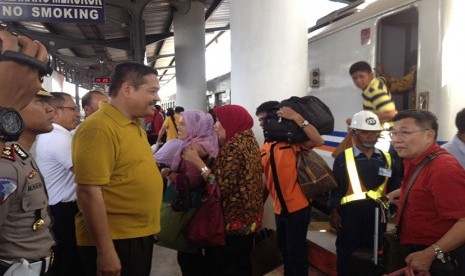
column 7, row 187
column 8, row 153
column 20, row 152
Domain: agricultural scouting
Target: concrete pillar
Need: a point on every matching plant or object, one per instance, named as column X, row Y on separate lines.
column 189, row 45
column 269, row 51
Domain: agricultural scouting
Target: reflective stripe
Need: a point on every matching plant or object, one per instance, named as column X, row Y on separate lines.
column 355, row 184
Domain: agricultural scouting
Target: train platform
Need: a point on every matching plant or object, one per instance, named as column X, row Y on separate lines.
column 321, row 252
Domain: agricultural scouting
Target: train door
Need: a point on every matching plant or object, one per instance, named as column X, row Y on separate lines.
column 397, row 53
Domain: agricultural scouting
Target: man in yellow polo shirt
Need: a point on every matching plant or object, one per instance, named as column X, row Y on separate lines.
column 119, row 186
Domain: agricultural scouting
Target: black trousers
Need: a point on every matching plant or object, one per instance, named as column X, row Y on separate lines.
column 134, row 254
column 233, row 259
column 191, row 264
column 357, row 231
column 291, row 230
column 67, row 260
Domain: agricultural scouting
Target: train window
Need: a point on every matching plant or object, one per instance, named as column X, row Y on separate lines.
column 397, row 53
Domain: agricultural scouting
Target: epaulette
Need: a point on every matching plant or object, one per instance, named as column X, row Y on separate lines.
column 8, row 153
column 20, row 152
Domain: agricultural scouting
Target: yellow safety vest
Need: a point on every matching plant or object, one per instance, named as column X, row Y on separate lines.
column 355, row 184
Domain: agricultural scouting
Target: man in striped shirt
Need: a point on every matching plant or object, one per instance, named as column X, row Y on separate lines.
column 376, row 97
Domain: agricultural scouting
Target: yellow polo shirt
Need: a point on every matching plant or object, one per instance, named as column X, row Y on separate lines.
column 171, row 132
column 111, row 151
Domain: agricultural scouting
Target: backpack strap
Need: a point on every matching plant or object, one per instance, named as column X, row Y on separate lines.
column 284, row 210
column 174, row 123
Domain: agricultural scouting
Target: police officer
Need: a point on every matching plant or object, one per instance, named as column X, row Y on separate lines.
column 25, row 232
column 364, row 174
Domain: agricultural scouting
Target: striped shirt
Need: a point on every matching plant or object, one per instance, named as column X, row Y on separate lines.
column 376, row 97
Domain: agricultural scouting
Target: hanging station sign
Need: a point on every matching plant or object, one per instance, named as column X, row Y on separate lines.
column 69, row 11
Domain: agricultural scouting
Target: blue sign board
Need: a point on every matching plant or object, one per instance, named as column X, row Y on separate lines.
column 69, row 11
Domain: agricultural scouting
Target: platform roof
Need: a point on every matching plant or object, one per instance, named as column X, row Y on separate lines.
column 82, row 52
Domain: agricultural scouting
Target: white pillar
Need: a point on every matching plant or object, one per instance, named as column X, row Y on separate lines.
column 269, row 51
column 189, row 45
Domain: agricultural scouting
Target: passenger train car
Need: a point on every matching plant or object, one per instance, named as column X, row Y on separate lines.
column 389, row 32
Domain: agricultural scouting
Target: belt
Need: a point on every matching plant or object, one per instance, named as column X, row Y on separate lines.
column 23, row 266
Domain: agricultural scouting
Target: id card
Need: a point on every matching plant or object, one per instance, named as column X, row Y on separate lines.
column 385, row 172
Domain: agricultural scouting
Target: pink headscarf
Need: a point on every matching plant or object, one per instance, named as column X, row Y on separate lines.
column 165, row 154
column 200, row 131
column 234, row 119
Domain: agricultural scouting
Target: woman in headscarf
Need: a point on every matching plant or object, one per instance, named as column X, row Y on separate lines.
column 238, row 173
column 196, row 131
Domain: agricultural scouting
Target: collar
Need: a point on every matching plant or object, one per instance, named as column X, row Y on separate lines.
column 417, row 160
column 60, row 127
column 373, row 83
column 357, row 151
column 115, row 114
column 460, row 144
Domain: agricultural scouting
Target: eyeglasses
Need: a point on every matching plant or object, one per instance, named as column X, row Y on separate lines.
column 404, row 134
column 72, row 108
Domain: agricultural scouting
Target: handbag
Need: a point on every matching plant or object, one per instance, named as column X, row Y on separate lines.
column 207, row 227
column 173, row 223
column 314, row 175
column 394, row 253
column 265, row 255
column 407, row 271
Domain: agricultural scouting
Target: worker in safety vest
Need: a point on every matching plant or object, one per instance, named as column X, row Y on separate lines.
column 364, row 174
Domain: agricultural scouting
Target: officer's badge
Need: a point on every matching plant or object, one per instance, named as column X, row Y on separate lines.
column 7, row 188
column 8, row 153
column 38, row 225
column 31, row 174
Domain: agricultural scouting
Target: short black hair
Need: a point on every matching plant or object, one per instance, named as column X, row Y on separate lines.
column 360, row 66
column 170, row 111
column 158, row 107
column 460, row 121
column 87, row 98
column 266, row 107
column 130, row 72
column 178, row 109
column 423, row 118
column 58, row 99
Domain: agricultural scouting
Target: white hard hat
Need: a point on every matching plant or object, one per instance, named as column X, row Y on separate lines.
column 366, row 120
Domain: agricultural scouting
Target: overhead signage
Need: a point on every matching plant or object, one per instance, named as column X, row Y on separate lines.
column 69, row 11
column 102, row 80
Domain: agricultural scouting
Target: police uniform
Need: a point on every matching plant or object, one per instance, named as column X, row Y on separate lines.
column 25, row 224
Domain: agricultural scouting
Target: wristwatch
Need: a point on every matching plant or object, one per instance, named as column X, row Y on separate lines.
column 304, row 124
column 11, row 124
column 439, row 254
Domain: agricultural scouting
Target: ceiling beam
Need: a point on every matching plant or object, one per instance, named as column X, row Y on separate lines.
column 56, row 42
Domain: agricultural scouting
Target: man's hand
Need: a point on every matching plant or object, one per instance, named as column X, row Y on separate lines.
column 421, row 261
column 394, row 197
column 335, row 220
column 288, row 113
column 108, row 264
column 19, row 82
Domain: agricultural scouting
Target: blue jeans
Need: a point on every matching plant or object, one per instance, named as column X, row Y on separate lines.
column 291, row 230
